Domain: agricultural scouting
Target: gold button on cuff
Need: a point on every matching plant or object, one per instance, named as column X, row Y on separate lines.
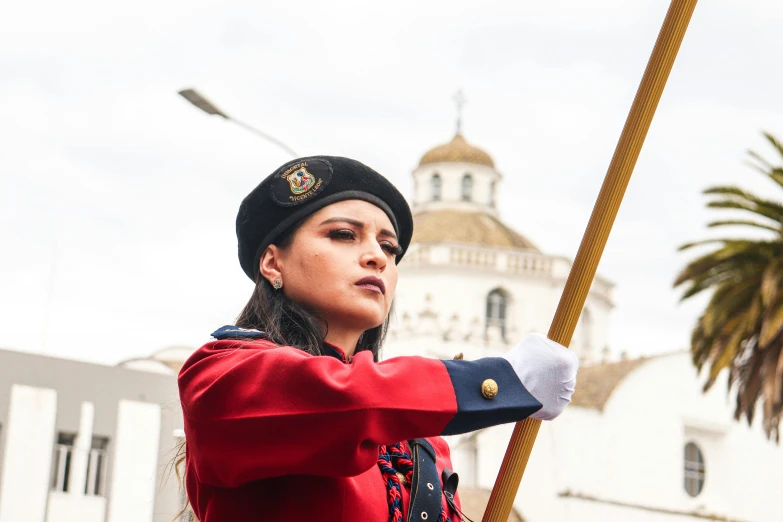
column 489, row 389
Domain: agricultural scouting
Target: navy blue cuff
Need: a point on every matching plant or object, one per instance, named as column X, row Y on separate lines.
column 511, row 404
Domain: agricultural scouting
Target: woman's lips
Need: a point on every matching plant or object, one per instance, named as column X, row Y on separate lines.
column 374, row 284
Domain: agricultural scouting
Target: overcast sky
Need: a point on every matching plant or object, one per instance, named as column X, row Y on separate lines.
column 118, row 198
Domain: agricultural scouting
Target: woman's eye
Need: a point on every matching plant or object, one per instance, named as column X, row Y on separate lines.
column 342, row 234
column 394, row 250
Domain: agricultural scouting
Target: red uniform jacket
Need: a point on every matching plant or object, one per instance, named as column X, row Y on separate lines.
column 276, row 434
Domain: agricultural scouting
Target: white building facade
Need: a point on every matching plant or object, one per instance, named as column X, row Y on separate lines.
column 640, row 441
column 84, row 442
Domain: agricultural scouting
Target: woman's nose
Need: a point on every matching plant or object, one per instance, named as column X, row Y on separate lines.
column 374, row 257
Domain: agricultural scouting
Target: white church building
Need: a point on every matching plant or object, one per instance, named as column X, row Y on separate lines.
column 640, row 441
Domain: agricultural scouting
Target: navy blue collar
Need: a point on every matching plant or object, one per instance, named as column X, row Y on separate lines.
column 334, row 351
column 237, row 332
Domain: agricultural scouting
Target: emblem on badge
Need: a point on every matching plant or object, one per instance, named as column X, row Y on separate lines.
column 301, row 181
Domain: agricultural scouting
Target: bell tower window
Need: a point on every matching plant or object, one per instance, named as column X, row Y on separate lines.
column 437, row 184
column 467, row 187
column 497, row 308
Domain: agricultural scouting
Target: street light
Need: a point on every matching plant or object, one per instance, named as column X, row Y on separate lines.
column 205, row 105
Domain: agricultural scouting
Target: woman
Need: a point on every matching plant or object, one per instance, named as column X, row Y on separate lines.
column 290, row 416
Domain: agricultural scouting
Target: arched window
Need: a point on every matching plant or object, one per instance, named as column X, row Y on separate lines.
column 436, row 187
column 467, row 187
column 694, row 469
column 497, row 308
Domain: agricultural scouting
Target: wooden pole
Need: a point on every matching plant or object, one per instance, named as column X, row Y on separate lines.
column 594, row 240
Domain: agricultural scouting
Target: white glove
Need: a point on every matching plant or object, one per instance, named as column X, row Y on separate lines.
column 547, row 370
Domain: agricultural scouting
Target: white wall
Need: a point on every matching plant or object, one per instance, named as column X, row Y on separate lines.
column 462, row 291
column 66, row 507
column 632, row 453
column 135, row 462
column 28, row 454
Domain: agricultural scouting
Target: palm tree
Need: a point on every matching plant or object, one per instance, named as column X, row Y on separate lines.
column 741, row 329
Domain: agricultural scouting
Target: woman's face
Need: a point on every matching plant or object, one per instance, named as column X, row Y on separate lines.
column 341, row 264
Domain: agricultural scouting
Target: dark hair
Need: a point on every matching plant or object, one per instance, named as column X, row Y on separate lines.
column 289, row 323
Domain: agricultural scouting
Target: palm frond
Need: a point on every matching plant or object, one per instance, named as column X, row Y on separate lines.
column 750, row 379
column 771, row 281
column 733, row 243
column 714, row 268
column 732, row 303
column 771, row 325
column 779, row 375
column 745, row 222
column 729, row 310
column 763, row 166
column 712, row 280
column 774, row 142
column 725, row 352
column 771, row 212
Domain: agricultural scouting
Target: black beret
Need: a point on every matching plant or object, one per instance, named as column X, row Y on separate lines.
column 302, row 187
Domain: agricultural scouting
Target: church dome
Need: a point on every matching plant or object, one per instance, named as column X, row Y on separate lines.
column 474, row 228
column 172, row 357
column 457, row 150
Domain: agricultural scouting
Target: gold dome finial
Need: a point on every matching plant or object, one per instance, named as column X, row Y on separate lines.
column 460, row 101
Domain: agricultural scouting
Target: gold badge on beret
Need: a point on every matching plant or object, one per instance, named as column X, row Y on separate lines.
column 300, row 182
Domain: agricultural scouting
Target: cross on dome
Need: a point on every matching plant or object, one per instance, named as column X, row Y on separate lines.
column 460, row 101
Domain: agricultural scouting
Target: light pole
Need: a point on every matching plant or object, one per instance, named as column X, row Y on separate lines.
column 205, row 105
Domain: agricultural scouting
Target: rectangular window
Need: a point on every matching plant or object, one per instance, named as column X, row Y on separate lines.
column 63, row 456
column 437, row 184
column 94, row 483
column 96, row 467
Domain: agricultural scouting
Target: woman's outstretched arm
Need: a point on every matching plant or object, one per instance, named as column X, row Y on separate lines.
column 254, row 409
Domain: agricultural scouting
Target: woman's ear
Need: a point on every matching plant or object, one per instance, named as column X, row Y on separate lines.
column 270, row 264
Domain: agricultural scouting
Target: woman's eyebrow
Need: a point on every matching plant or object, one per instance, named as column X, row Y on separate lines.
column 358, row 224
